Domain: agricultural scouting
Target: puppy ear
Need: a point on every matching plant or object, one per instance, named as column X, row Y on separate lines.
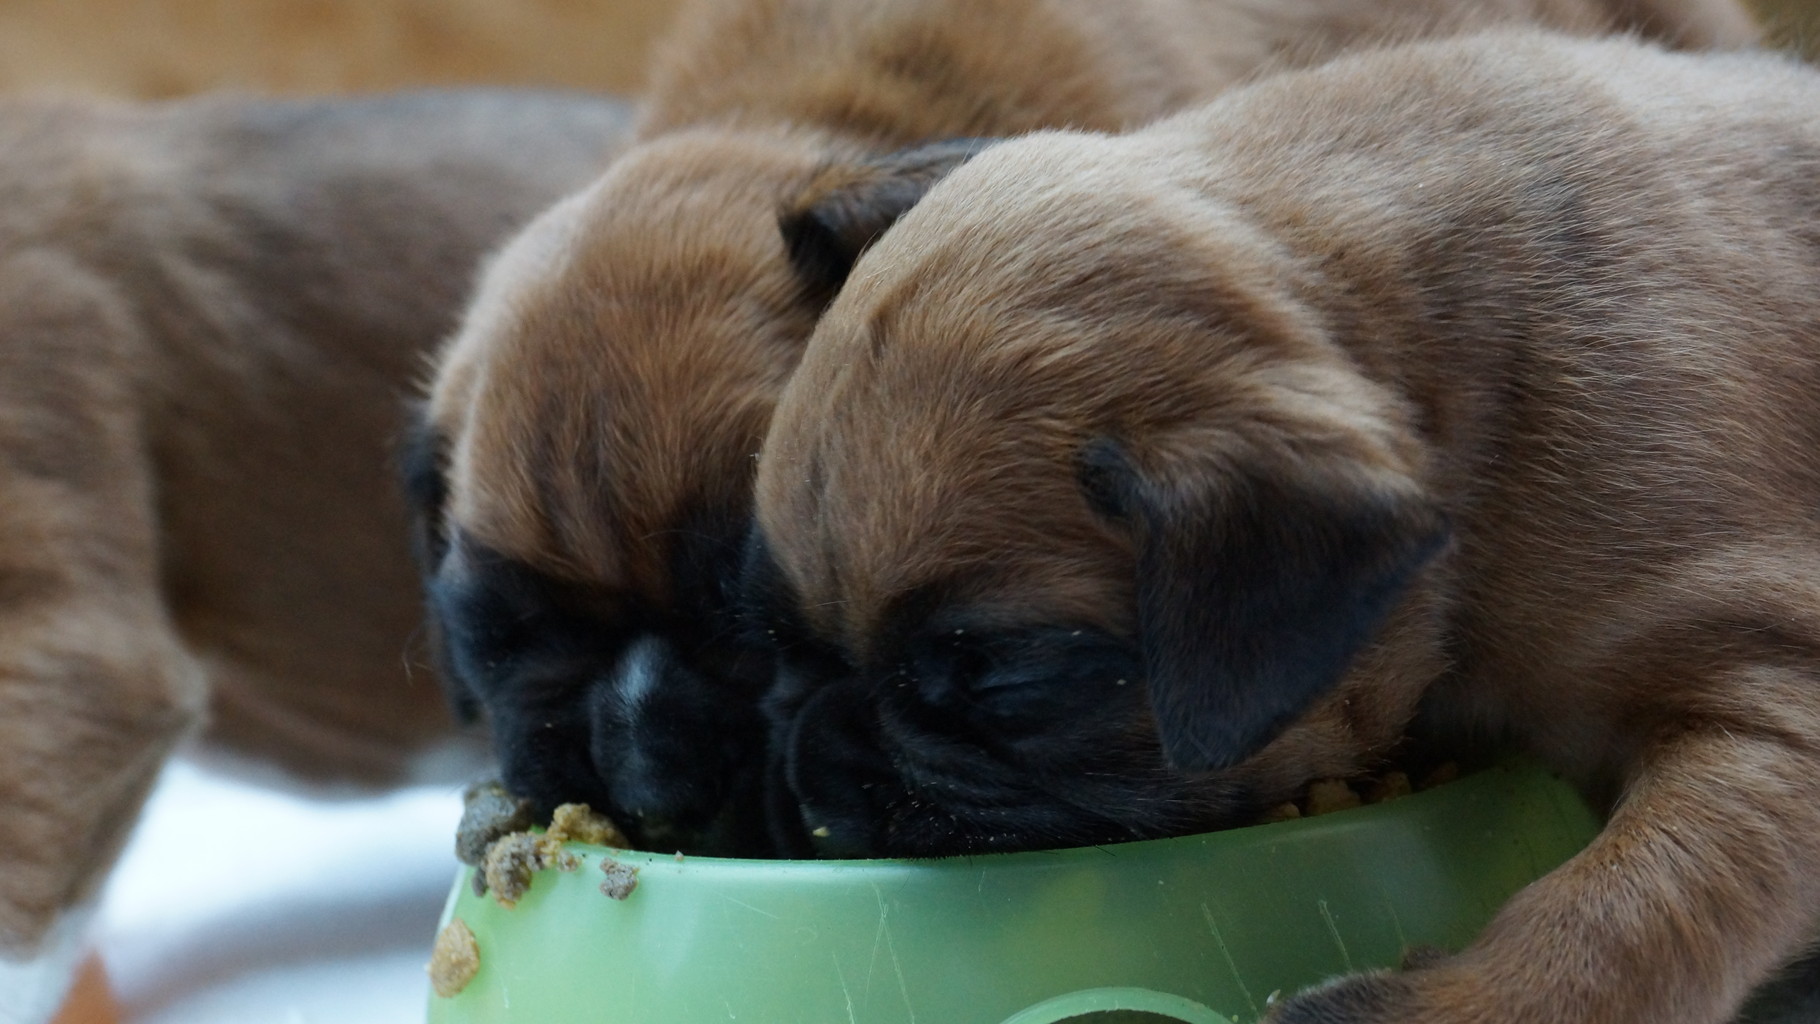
column 422, row 454
column 847, row 206
column 1257, row 587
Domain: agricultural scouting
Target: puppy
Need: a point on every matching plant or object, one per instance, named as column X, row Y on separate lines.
column 1130, row 482
column 585, row 465
column 209, row 311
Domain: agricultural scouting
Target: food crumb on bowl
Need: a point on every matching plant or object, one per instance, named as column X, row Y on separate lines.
column 1445, row 772
column 579, row 823
column 454, row 960
column 1328, row 795
column 495, row 838
column 1324, row 796
column 1281, row 812
column 489, row 812
column 1387, row 787
column 621, row 879
column 512, row 860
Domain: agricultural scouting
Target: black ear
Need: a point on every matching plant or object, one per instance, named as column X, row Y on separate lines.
column 422, row 454
column 847, row 206
column 1256, row 587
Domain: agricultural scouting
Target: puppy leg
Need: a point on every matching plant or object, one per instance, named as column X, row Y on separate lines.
column 95, row 687
column 1705, row 879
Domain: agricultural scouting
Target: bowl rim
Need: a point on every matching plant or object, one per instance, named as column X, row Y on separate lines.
column 1515, row 771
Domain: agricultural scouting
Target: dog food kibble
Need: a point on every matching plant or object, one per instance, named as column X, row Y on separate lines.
column 513, row 859
column 1281, row 812
column 508, row 859
column 621, row 879
column 1324, row 796
column 454, row 960
column 1386, row 787
column 488, row 812
column 1445, row 772
column 579, row 823
column 1328, row 795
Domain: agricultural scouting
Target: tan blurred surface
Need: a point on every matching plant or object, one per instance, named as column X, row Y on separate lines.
column 1792, row 22
column 90, row 1002
column 160, row 48
column 171, row 47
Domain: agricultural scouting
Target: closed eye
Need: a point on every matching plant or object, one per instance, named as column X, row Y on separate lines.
column 1011, row 671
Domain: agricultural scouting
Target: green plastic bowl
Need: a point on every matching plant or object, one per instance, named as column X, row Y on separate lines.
column 1203, row 929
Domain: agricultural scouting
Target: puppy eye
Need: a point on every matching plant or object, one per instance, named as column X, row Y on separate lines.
column 964, row 667
column 961, row 669
column 1015, row 673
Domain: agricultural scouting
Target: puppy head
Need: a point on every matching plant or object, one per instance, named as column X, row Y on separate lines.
column 583, row 475
column 1075, row 527
column 583, row 471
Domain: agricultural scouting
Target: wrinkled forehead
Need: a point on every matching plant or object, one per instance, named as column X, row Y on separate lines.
column 941, row 536
column 617, row 367
column 526, row 270
column 931, row 437
column 905, row 490
column 493, row 378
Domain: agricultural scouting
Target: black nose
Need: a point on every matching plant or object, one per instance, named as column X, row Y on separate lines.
column 660, row 740
column 678, row 750
column 644, row 717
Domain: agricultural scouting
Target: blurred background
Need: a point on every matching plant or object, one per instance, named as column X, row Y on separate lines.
column 158, row 48
column 243, row 904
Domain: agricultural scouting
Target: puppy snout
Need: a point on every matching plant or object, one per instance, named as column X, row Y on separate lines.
column 839, row 784
column 664, row 742
column 639, row 717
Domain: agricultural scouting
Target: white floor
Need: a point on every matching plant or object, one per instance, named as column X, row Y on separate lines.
column 241, row 905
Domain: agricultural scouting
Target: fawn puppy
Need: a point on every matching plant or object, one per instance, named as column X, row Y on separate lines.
column 583, row 474
column 209, row 313
column 1473, row 385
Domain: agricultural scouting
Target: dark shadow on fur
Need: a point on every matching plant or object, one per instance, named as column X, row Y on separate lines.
column 848, row 206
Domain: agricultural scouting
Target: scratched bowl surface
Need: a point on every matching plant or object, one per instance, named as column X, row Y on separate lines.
column 1202, row 929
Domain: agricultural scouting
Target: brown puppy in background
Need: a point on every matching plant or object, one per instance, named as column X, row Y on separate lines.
column 584, row 475
column 1129, row 481
column 209, row 313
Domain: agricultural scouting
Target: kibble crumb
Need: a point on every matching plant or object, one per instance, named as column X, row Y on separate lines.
column 1387, row 787
column 1328, row 795
column 512, row 860
column 579, row 823
column 454, row 960
column 1281, row 812
column 1324, row 796
column 621, row 879
column 488, row 812
column 1443, row 773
